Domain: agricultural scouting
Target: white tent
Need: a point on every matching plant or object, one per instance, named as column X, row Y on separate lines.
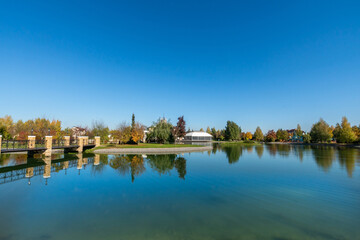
column 198, row 136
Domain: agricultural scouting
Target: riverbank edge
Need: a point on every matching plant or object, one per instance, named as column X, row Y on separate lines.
column 316, row 144
column 152, row 150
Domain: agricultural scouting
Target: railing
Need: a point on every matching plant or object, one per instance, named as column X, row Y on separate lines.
column 14, row 144
column 58, row 142
column 91, row 141
column 40, row 143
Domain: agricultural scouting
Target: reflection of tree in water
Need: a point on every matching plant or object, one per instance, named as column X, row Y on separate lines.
column 104, row 160
column 233, row 152
column 283, row 149
column 299, row 152
column 5, row 159
column 249, row 149
column 272, row 149
column 180, row 165
column 163, row 164
column 137, row 166
column 128, row 163
column 216, row 147
column 347, row 158
column 324, row 156
column 259, row 150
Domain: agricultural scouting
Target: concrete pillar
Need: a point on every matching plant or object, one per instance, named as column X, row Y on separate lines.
column 86, row 140
column 67, row 140
column 47, row 168
column 97, row 159
column 0, row 142
column 80, row 143
column 48, row 145
column 97, row 141
column 31, row 141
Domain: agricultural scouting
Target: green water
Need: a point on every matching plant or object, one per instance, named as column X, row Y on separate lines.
column 272, row 192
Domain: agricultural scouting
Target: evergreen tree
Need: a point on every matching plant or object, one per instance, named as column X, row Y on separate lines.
column 232, row 131
column 133, row 121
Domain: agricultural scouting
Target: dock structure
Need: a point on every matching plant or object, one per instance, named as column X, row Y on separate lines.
column 33, row 146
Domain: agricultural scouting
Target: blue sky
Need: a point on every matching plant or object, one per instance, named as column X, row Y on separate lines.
column 258, row 63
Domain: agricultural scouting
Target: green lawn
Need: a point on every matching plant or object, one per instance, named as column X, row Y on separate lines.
column 146, row 145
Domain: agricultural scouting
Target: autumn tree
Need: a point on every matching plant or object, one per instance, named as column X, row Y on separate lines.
column 270, row 136
column 179, row 130
column 258, row 135
column 232, row 131
column 343, row 133
column 321, row 132
column 356, row 130
column 248, row 136
column 137, row 133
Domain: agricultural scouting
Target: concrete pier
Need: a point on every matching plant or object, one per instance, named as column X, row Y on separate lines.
column 48, row 145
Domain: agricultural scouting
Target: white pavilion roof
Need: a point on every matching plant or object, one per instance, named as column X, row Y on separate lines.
column 198, row 134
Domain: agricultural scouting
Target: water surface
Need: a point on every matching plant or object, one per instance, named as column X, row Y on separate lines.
column 232, row 192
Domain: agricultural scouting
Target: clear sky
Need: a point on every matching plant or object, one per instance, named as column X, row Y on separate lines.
column 272, row 64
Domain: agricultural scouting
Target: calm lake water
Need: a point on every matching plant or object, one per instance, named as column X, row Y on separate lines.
column 272, row 192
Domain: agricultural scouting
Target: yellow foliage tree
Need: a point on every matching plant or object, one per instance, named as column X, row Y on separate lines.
column 248, row 136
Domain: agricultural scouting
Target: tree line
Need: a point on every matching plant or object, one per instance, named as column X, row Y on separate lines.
column 162, row 131
column 320, row 132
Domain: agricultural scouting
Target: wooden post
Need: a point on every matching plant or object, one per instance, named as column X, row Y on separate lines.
column 0, row 142
column 97, row 141
column 67, row 140
column 48, row 145
column 31, row 141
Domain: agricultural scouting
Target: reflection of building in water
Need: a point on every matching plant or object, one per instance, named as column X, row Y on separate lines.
column 36, row 167
column 29, row 174
column 85, row 162
column 47, row 168
column 96, row 160
column 66, row 166
column 79, row 162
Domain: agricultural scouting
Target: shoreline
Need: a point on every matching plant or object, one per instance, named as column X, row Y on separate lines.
column 152, row 150
column 316, row 144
